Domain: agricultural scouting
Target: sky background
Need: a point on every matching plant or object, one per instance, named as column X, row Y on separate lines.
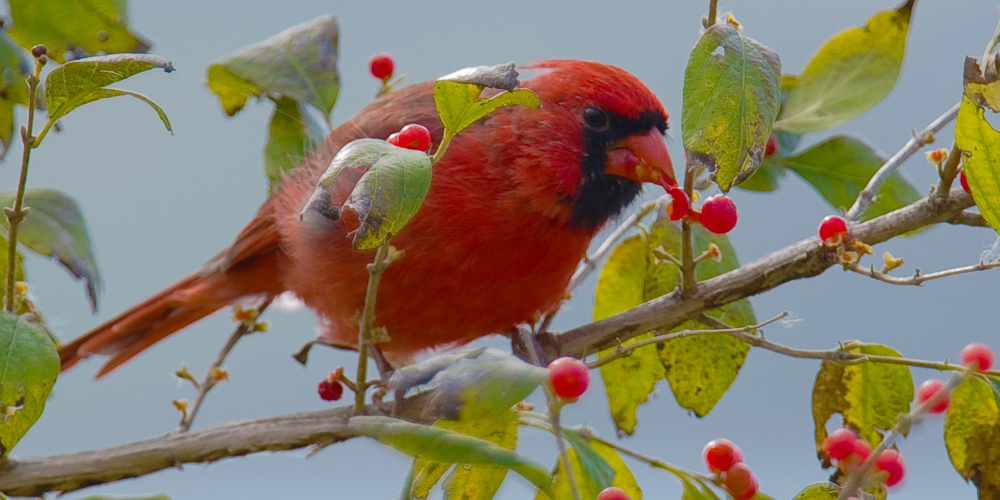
column 159, row 206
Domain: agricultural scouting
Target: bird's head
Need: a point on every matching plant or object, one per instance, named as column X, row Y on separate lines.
column 602, row 136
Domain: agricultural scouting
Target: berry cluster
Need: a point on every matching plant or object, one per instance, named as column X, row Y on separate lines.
column 718, row 213
column 330, row 388
column 569, row 377
column 412, row 136
column 725, row 459
column 844, row 446
column 975, row 356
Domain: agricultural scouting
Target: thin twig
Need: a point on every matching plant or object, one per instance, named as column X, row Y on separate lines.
column 688, row 279
column 948, row 171
column 913, row 145
column 365, row 333
column 654, row 462
column 626, row 350
column 917, row 279
column 969, row 218
column 855, row 477
column 16, row 214
column 713, row 7
column 210, row 378
column 555, row 405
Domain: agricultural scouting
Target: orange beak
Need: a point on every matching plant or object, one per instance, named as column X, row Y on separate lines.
column 642, row 158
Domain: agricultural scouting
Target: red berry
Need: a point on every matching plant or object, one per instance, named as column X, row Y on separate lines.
column 831, row 227
column 412, row 136
column 772, row 145
column 681, row 205
column 928, row 389
column 964, row 181
column 978, row 357
column 381, row 66
column 613, row 493
column 741, row 482
column 890, row 462
column 840, row 444
column 862, row 450
column 569, row 377
column 718, row 214
column 330, row 390
column 721, row 454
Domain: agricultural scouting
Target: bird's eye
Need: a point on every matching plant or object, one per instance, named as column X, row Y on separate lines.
column 595, row 118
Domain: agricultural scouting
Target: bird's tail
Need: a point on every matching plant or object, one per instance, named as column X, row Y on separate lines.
column 184, row 303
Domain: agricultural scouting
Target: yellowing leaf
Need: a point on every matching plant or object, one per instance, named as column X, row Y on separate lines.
column 853, row 71
column 84, row 27
column 983, row 86
column 972, row 435
column 731, row 97
column 981, row 142
column 870, row 396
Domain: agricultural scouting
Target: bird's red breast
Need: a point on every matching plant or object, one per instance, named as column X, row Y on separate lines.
column 512, row 207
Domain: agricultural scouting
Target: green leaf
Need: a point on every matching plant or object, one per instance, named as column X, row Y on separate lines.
column 14, row 69
column 983, row 86
column 612, row 471
column 468, row 481
column 766, row 178
column 699, row 369
column 731, row 96
column 447, row 446
column 459, row 105
column 819, row 491
column 870, row 396
column 981, row 143
column 972, row 435
column 29, row 365
column 78, row 82
column 55, row 228
column 291, row 136
column 389, row 185
column 852, row 72
column 841, row 166
column 81, row 26
column 476, row 387
column 300, row 63
column 629, row 381
column 481, row 482
column 995, row 384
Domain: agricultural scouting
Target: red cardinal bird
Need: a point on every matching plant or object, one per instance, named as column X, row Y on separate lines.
column 512, row 207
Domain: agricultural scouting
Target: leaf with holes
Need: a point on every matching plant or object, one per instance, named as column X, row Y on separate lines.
column 732, row 88
column 81, row 27
column 841, row 166
column 55, row 228
column 972, row 435
column 447, row 446
column 300, row 63
column 853, row 71
column 85, row 80
column 983, row 85
column 869, row 395
column 291, row 135
column 981, row 142
column 29, row 365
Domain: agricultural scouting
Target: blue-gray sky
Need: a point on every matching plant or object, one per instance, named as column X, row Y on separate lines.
column 159, row 206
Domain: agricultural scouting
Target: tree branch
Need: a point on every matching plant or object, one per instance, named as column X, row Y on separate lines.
column 918, row 279
column 804, row 259
column 35, row 476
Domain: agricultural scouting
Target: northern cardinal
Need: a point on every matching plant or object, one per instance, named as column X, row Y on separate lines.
column 512, row 207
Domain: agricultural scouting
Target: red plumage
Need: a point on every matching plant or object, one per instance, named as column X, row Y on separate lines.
column 512, row 207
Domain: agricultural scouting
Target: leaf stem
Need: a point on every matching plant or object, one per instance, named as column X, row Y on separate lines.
column 365, row 340
column 16, row 214
column 919, row 140
column 209, row 381
column 41, row 135
column 445, row 141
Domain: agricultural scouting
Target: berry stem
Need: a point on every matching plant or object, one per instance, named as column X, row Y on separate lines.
column 688, row 279
column 948, row 171
column 209, row 380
